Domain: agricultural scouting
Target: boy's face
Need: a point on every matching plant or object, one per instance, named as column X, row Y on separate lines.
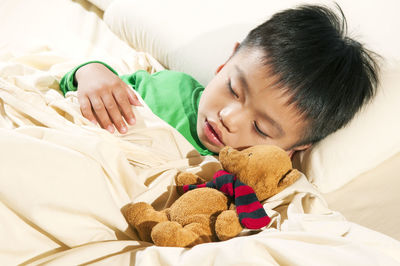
column 240, row 107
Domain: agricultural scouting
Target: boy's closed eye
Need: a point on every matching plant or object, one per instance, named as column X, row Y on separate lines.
column 231, row 90
column 255, row 126
column 259, row 131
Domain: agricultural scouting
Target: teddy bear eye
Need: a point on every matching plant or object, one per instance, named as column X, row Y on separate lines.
column 250, row 154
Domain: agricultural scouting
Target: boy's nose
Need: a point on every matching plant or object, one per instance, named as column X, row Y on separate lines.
column 232, row 117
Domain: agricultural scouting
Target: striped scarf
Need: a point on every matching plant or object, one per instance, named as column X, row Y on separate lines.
column 250, row 211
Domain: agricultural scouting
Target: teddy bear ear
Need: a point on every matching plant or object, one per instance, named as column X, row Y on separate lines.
column 289, row 178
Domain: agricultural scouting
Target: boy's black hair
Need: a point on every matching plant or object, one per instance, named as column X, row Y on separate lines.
column 328, row 75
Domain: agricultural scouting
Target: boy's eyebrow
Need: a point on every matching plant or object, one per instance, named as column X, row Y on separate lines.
column 245, row 85
column 242, row 79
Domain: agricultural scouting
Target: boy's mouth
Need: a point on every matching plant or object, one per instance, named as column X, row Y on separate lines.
column 213, row 134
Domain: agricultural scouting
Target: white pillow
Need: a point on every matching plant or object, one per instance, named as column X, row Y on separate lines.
column 370, row 138
column 197, row 36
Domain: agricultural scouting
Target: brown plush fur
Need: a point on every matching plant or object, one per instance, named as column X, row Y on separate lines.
column 204, row 215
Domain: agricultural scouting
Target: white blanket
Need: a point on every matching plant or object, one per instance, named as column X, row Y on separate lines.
column 63, row 182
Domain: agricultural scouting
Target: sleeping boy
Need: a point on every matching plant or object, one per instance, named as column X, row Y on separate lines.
column 292, row 81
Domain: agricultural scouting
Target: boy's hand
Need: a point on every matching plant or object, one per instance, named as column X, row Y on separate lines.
column 105, row 98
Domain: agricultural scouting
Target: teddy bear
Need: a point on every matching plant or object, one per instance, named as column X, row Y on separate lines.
column 219, row 209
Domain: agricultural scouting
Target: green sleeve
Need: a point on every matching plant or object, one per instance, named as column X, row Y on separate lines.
column 68, row 82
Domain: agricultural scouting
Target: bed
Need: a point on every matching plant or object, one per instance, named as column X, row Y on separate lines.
column 64, row 181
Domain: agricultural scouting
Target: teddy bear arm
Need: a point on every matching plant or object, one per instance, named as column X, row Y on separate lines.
column 227, row 225
column 188, row 179
column 289, row 179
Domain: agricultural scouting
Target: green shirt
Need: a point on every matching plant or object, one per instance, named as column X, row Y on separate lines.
column 172, row 96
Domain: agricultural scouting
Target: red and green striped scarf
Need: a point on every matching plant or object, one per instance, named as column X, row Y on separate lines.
column 250, row 211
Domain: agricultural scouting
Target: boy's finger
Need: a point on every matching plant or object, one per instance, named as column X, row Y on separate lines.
column 114, row 113
column 133, row 99
column 101, row 113
column 86, row 109
column 122, row 100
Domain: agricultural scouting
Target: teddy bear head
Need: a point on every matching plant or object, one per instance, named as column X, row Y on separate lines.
column 266, row 168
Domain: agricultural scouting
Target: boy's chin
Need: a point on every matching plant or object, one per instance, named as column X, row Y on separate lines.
column 210, row 147
column 215, row 150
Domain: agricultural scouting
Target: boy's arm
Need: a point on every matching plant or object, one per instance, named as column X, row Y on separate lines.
column 68, row 81
column 102, row 95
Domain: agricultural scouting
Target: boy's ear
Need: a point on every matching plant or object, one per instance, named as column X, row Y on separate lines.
column 235, row 47
column 298, row 148
column 219, row 68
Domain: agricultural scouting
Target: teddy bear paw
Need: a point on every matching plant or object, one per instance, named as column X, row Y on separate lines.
column 188, row 179
column 227, row 225
column 143, row 218
column 172, row 234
